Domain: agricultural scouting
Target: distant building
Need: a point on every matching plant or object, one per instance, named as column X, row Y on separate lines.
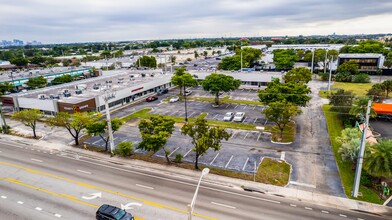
column 367, row 62
column 306, row 46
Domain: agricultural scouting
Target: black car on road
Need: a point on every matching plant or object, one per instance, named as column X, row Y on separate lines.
column 108, row 212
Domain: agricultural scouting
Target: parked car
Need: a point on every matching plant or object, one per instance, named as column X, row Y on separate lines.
column 188, row 92
column 228, row 116
column 174, row 99
column 152, row 98
column 163, row 91
column 108, row 212
column 239, row 116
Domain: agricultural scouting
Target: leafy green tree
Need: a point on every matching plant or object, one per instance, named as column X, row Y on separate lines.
column 100, row 128
column 196, row 54
column 361, row 78
column 146, row 61
column 74, row 123
column 284, row 59
column 106, row 54
column 119, row 53
column 378, row 159
column 62, row 79
column 360, row 107
column 204, row 137
column 19, row 61
column 297, row 75
column 183, row 79
column 6, row 87
column 66, row 62
column 387, row 86
column 125, row 148
column 341, row 101
column 37, row 82
column 377, row 92
column 276, row 91
column 173, row 60
column 344, row 77
column 29, row 117
column 231, row 63
column 216, row 83
column 348, row 67
column 205, row 54
column 349, row 140
column 155, row 133
column 38, row 60
column 281, row 113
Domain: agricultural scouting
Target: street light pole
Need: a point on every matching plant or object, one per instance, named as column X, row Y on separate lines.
column 186, row 111
column 4, row 124
column 108, row 96
column 330, row 75
column 312, row 59
column 204, row 172
column 325, row 61
column 241, row 56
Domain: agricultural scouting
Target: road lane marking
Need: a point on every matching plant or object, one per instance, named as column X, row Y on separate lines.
column 57, row 215
column 38, row 208
column 36, row 160
column 0, row 151
column 82, row 171
column 143, row 186
column 3, row 197
column 229, row 161
column 223, row 205
column 344, row 216
column 308, row 208
column 243, row 168
column 360, row 219
column 293, row 205
column 326, row 212
column 174, row 151
column 214, row 158
column 20, row 202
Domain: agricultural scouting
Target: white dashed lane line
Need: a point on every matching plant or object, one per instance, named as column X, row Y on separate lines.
column 3, row 197
column 307, row 208
column 20, row 202
column 326, row 212
column 293, row 205
column 36, row 160
column 38, row 208
column 223, row 205
column 82, row 171
column 57, row 215
column 143, row 186
column 344, row 216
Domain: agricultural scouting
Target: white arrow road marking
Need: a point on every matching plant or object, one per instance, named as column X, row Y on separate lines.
column 93, row 196
column 129, row 205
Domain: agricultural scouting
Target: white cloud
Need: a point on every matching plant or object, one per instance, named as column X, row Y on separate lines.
column 99, row 20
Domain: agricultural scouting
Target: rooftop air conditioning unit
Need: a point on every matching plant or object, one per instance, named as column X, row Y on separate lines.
column 52, row 96
column 96, row 87
column 67, row 94
column 143, row 75
column 78, row 92
column 81, row 87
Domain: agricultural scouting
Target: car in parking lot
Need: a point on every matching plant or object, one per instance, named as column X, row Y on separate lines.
column 174, row 99
column 108, row 212
column 152, row 98
column 228, row 116
column 239, row 116
column 163, row 91
column 187, row 92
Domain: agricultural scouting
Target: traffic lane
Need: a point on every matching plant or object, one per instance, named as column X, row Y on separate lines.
column 27, row 203
column 177, row 185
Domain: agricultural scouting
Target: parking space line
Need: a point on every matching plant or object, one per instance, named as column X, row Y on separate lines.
column 255, row 120
column 97, row 141
column 265, row 121
column 187, row 152
column 253, row 107
column 214, row 159
column 258, row 137
column 245, row 107
column 246, row 162
column 244, row 119
column 173, row 151
column 215, row 116
column 246, row 135
column 190, row 115
column 229, row 161
column 235, row 106
column 227, row 105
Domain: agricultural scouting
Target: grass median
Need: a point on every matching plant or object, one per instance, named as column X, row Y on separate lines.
column 274, row 172
column 335, row 126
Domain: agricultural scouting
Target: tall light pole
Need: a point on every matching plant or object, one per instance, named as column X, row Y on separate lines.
column 204, row 172
column 312, row 59
column 109, row 95
column 4, row 124
column 330, row 75
column 358, row 171
column 241, row 55
column 325, row 61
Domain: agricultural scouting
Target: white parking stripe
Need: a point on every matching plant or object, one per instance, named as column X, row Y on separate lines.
column 235, row 106
column 3, row 197
column 214, row 159
column 245, row 107
column 246, row 135
column 227, row 105
column 255, row 120
column 97, row 141
column 254, row 108
column 229, row 161
column 308, row 208
column 187, row 153
column 215, row 116
column 173, row 151
column 243, row 168
column 220, row 204
column 191, row 114
column 258, row 137
column 293, row 205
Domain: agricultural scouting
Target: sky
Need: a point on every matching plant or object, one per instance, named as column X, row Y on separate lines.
column 66, row 21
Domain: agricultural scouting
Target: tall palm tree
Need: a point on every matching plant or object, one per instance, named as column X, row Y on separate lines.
column 360, row 107
column 378, row 160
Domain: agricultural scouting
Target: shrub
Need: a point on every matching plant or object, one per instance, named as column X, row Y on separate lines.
column 179, row 158
column 366, row 179
column 324, row 76
column 361, row 78
column 125, row 148
column 343, row 77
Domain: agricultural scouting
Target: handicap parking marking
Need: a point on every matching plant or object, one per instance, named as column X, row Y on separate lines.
column 214, row 159
column 246, row 162
column 229, row 161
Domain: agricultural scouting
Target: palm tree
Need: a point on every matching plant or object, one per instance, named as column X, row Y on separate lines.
column 360, row 107
column 378, row 160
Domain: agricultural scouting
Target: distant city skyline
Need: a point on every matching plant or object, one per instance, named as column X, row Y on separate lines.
column 126, row 20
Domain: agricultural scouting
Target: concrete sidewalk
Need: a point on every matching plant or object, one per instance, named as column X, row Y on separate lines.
column 64, row 143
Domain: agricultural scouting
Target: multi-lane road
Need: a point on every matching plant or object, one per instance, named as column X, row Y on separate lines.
column 37, row 183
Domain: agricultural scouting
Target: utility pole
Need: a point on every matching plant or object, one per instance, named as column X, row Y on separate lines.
column 4, row 124
column 330, row 75
column 109, row 95
column 241, row 56
column 358, row 171
column 325, row 61
column 312, row 60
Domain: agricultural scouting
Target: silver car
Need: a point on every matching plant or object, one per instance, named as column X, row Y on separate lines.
column 239, row 116
column 228, row 116
column 174, row 99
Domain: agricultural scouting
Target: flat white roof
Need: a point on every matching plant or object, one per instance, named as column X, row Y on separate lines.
column 360, row 55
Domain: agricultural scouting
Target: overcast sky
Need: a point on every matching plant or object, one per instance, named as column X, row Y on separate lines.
column 57, row 21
